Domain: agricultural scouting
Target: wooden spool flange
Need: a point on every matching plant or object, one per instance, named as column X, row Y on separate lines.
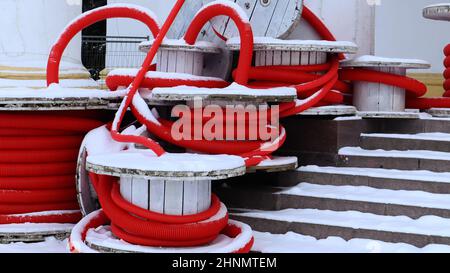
column 332, row 110
column 30, row 233
column 102, row 240
column 232, row 94
column 374, row 100
column 269, row 51
column 64, row 99
column 173, row 184
column 276, row 164
column 439, row 12
column 439, row 112
column 271, row 18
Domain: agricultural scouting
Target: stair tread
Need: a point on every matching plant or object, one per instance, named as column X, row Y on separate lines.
column 292, row 242
column 416, row 154
column 416, row 175
column 425, row 226
column 422, row 136
column 372, row 195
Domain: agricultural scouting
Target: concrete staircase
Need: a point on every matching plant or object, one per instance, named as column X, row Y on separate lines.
column 393, row 188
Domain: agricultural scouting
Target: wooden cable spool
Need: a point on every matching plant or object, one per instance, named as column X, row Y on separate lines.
column 374, row 100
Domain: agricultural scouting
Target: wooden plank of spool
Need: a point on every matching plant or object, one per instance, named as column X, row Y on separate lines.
column 87, row 198
column 270, row 18
column 439, row 112
column 232, row 98
column 182, row 21
column 333, row 110
column 167, row 189
column 265, row 44
column 32, row 233
column 52, row 104
column 276, row 164
column 439, row 12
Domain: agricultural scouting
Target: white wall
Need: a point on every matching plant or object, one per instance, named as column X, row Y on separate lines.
column 401, row 31
column 128, row 27
column 30, row 27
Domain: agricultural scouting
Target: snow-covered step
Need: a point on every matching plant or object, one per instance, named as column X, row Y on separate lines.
column 414, row 204
column 348, row 225
column 292, row 242
column 416, row 180
column 425, row 141
column 402, row 160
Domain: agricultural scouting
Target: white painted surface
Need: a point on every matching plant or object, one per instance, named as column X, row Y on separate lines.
column 167, row 196
column 401, row 31
column 376, row 97
column 26, row 37
column 348, row 20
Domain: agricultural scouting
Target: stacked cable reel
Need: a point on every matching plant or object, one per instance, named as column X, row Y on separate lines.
column 41, row 132
column 153, row 201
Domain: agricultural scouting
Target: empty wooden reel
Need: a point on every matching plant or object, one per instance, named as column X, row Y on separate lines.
column 269, row 18
column 173, row 184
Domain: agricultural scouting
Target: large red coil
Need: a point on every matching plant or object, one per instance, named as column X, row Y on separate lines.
column 38, row 155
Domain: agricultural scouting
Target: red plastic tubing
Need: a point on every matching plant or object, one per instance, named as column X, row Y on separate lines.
column 38, row 154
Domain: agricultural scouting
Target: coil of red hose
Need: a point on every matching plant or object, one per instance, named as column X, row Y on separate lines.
column 38, row 154
column 143, row 227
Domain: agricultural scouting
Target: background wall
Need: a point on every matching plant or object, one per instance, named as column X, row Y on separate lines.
column 31, row 28
column 127, row 27
column 401, row 31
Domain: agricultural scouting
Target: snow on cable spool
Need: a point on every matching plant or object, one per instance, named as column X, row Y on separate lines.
column 173, row 184
column 101, row 239
column 269, row 51
column 34, row 232
column 232, row 93
column 275, row 164
column 332, row 110
column 374, row 100
column 56, row 97
column 439, row 12
column 271, row 18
